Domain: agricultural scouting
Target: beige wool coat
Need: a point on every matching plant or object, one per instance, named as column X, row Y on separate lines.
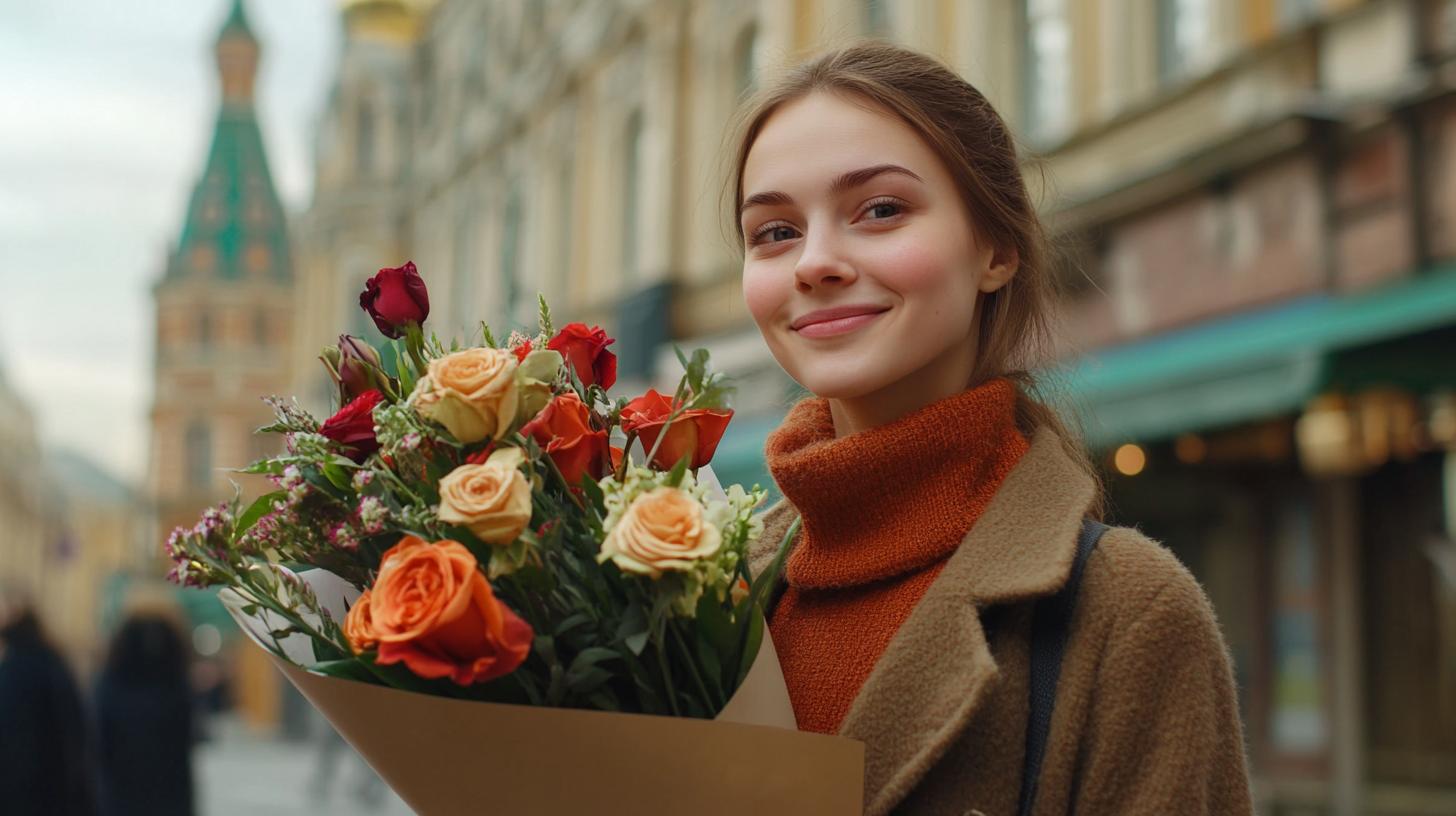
column 1146, row 720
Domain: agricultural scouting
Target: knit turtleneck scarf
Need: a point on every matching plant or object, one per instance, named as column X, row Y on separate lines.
column 882, row 510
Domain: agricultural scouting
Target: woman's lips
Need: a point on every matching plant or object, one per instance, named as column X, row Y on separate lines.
column 838, row 326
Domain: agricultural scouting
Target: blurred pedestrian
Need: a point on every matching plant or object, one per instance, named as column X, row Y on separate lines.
column 145, row 721
column 45, row 764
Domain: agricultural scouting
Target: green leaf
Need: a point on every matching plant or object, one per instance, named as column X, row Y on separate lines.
column 336, row 475
column 572, row 622
column 348, row 669
column 260, row 507
column 675, row 476
column 589, row 657
column 487, row 336
column 750, row 649
column 637, row 642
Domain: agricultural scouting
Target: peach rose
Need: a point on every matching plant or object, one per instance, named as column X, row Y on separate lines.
column 661, row 530
column 491, row 499
column 433, row 610
column 359, row 626
column 471, row 392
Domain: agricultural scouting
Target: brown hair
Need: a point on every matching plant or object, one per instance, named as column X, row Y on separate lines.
column 969, row 136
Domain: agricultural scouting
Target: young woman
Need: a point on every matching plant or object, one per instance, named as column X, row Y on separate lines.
column 894, row 264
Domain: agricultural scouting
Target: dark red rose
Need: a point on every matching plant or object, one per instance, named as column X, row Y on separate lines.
column 353, row 426
column 563, row 429
column 585, row 350
column 396, row 298
column 694, row 433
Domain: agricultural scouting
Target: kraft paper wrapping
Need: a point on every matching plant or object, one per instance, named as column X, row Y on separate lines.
column 446, row 756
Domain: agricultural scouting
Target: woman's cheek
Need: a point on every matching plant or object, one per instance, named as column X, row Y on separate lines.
column 762, row 294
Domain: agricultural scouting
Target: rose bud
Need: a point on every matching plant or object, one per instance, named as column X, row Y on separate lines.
column 585, row 349
column 353, row 426
column 693, row 434
column 395, row 298
column 354, row 366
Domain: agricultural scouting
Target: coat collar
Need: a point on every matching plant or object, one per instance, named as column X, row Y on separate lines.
column 1021, row 548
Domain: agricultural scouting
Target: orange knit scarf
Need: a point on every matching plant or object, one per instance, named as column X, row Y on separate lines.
column 882, row 511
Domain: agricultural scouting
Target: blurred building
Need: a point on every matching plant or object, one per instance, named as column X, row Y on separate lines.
column 27, row 516
column 1254, row 202
column 224, row 307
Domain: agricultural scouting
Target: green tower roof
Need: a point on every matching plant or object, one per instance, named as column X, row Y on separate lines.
column 235, row 227
column 237, row 23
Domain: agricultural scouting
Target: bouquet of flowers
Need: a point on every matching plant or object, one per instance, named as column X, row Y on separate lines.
column 486, row 525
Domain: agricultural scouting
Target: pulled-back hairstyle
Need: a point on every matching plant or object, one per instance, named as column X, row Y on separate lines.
column 969, row 136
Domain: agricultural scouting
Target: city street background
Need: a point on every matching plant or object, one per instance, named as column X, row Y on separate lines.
column 1253, row 204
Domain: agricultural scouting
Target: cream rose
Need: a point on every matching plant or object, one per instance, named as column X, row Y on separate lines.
column 492, row 499
column 471, row 392
column 661, row 530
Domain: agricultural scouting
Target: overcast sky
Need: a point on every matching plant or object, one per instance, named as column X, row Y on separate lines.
column 106, row 109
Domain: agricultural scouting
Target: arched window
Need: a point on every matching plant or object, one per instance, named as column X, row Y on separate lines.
column 198, row 447
column 745, row 61
column 631, row 194
column 510, row 254
column 364, row 139
column 1047, row 69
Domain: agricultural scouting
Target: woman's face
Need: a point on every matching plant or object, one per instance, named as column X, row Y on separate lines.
column 860, row 266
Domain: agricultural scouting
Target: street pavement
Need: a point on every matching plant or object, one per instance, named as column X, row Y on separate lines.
column 240, row 773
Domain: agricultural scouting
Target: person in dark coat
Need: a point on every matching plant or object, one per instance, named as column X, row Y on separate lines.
column 45, row 764
column 145, row 722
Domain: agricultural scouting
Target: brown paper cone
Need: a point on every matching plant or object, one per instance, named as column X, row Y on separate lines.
column 446, row 756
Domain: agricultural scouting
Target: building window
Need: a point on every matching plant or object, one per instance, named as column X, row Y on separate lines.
column 1185, row 33
column 198, row 445
column 364, row 140
column 631, row 194
column 203, row 257
column 464, row 267
column 1292, row 12
column 510, row 254
column 877, row 17
column 260, row 329
column 566, row 223
column 1047, row 69
column 258, row 258
column 204, row 330
column 745, row 61
column 1299, row 725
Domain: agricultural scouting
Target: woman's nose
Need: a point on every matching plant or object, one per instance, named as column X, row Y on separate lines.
column 822, row 264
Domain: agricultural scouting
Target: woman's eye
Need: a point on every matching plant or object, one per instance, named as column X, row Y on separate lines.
column 774, row 233
column 883, row 209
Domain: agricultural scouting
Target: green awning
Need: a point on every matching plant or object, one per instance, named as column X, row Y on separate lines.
column 1256, row 364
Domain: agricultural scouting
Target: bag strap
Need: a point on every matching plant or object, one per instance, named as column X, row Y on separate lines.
column 1051, row 622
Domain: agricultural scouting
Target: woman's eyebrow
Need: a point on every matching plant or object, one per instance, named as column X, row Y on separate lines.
column 846, row 181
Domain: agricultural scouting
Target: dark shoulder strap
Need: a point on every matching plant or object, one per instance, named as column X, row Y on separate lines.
column 1050, row 623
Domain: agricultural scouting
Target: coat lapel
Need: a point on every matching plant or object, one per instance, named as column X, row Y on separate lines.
column 937, row 669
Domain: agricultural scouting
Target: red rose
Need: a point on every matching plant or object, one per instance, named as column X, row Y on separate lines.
column 353, row 426
column 563, row 429
column 396, row 298
column 585, row 350
column 694, row 433
column 522, row 350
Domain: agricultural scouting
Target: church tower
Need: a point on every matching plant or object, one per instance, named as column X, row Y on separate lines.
column 223, row 305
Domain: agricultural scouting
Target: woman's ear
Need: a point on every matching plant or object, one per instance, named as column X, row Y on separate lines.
column 1000, row 270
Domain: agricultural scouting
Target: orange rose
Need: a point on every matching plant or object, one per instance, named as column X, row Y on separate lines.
column 433, row 610
column 564, row 431
column 694, row 434
column 359, row 626
column 661, row 530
